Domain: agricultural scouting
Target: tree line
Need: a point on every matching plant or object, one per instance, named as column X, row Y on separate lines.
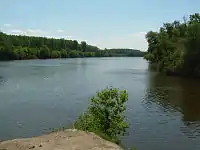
column 175, row 48
column 17, row 47
column 122, row 52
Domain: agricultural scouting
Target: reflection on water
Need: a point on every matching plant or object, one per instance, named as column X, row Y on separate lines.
column 1, row 80
column 171, row 95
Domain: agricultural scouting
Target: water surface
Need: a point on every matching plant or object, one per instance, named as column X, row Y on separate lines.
column 36, row 95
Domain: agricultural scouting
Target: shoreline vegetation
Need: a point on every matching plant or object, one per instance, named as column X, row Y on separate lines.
column 175, row 48
column 20, row 47
column 105, row 115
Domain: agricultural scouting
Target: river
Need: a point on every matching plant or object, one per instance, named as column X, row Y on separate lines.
column 37, row 95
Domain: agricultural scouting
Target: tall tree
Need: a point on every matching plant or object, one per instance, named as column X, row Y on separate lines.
column 175, row 49
column 44, row 52
column 83, row 46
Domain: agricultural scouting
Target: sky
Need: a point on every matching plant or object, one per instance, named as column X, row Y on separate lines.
column 103, row 23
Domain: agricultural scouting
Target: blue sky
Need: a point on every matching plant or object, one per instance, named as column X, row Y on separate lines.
column 105, row 23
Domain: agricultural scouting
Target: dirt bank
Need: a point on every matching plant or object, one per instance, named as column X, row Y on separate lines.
column 64, row 140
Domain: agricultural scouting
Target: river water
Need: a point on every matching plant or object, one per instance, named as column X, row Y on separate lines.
column 37, row 95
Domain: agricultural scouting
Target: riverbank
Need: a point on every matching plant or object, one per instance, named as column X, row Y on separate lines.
column 69, row 139
column 175, row 48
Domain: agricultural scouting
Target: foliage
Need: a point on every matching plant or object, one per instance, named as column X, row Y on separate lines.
column 105, row 115
column 63, row 54
column 29, row 47
column 175, row 48
column 83, row 46
column 126, row 52
column 56, row 54
column 44, row 52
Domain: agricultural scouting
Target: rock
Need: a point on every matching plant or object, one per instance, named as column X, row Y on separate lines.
column 74, row 140
column 31, row 147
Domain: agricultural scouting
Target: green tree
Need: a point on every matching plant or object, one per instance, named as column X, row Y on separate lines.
column 19, row 53
column 75, row 45
column 89, row 54
column 105, row 115
column 175, row 49
column 56, row 54
column 74, row 54
column 83, row 46
column 64, row 54
column 44, row 52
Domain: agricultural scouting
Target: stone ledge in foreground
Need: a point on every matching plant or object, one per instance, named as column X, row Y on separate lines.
column 70, row 139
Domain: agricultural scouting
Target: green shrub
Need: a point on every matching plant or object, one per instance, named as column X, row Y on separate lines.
column 55, row 54
column 105, row 114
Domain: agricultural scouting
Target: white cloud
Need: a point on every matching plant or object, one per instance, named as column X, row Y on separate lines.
column 7, row 25
column 135, row 40
column 16, row 31
column 35, row 32
column 60, row 30
column 139, row 34
column 30, row 32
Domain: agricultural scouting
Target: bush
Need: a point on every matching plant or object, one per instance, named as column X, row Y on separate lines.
column 64, row 54
column 105, row 115
column 55, row 54
column 44, row 52
column 74, row 54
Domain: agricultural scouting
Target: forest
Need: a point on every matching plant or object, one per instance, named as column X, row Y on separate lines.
column 125, row 52
column 18, row 47
column 175, row 48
